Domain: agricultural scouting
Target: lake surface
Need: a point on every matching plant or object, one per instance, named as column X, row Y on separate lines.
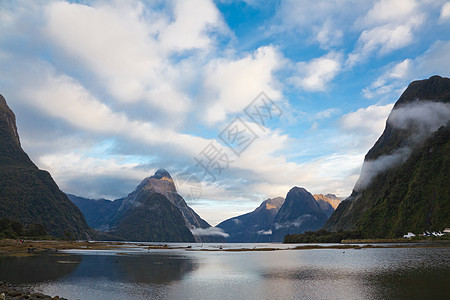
column 402, row 273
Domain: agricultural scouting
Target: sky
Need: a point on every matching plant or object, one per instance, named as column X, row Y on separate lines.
column 238, row 100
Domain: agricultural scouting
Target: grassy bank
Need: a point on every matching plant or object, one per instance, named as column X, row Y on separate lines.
column 31, row 247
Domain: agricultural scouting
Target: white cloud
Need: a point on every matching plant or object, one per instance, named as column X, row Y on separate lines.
column 328, row 35
column 211, row 231
column 62, row 97
column 75, row 167
column 424, row 116
column 389, row 25
column 316, row 74
column 130, row 55
column 323, row 22
column 387, row 11
column 445, row 12
column 372, row 168
column 383, row 85
column 231, row 85
column 193, row 20
column 327, row 113
column 366, row 124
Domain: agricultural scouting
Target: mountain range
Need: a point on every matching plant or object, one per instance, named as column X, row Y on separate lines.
column 404, row 182
column 299, row 212
column 255, row 226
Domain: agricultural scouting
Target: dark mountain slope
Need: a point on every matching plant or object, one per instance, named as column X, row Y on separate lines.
column 152, row 218
column 255, row 226
column 28, row 194
column 300, row 212
column 161, row 182
column 99, row 213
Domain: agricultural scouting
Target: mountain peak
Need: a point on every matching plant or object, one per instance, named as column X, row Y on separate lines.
column 434, row 88
column 160, row 174
column 160, row 182
column 300, row 212
column 297, row 189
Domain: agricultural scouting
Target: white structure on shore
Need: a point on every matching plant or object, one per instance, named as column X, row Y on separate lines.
column 409, row 235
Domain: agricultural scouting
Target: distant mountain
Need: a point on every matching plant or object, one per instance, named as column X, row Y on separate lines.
column 30, row 195
column 161, row 182
column 255, row 226
column 300, row 212
column 404, row 182
column 99, row 213
column 151, row 217
column 328, row 203
column 154, row 211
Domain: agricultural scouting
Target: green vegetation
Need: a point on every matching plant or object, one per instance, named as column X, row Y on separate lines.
column 12, row 229
column 352, row 237
column 322, row 236
column 413, row 197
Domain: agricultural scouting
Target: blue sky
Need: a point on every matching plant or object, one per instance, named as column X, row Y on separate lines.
column 107, row 92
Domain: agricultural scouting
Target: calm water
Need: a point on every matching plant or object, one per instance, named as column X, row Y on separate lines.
column 418, row 273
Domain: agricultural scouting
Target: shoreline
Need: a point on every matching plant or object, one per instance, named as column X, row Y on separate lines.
column 30, row 248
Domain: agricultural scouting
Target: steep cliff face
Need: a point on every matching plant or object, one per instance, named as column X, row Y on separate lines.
column 255, row 226
column 300, row 212
column 28, row 194
column 404, row 180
